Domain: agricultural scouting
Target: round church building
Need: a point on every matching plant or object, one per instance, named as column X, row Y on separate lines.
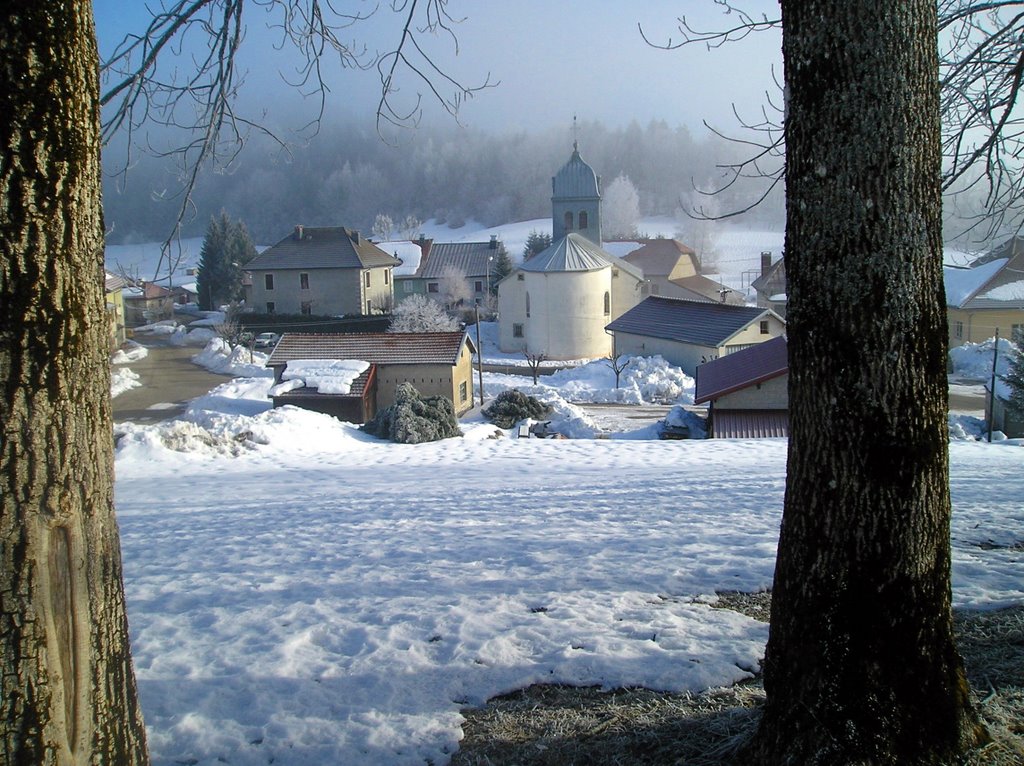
column 558, row 302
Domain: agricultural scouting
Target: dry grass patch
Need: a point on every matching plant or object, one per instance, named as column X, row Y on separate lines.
column 563, row 725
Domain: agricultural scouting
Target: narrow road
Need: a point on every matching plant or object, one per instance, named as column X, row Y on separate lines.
column 169, row 380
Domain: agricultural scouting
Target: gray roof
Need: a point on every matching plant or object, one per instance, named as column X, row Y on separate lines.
column 468, row 258
column 375, row 347
column 322, row 247
column 575, row 180
column 574, row 252
column 698, row 322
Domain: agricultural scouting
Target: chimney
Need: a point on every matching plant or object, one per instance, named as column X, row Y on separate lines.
column 298, row 232
column 355, row 236
column 494, row 242
column 766, row 261
column 422, row 240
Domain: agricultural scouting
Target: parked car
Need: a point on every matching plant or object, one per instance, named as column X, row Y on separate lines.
column 267, row 340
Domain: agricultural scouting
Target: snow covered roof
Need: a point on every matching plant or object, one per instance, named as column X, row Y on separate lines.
column 993, row 281
column 409, row 252
column 375, row 348
column 738, row 370
column 686, row 321
column 323, row 247
column 574, row 252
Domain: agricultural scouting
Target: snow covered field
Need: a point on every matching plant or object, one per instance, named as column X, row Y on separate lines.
column 300, row 593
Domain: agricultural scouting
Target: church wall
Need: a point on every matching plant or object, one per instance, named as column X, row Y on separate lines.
column 567, row 314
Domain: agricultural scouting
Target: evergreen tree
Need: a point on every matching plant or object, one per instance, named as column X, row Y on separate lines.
column 227, row 248
column 501, row 267
column 1014, row 377
column 535, row 243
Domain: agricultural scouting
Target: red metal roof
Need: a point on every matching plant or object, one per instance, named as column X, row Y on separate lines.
column 376, row 348
column 741, row 369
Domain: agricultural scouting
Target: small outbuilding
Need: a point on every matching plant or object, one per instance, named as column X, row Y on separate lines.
column 747, row 392
column 436, row 363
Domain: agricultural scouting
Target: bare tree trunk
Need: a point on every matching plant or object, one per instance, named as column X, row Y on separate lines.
column 861, row 665
column 68, row 693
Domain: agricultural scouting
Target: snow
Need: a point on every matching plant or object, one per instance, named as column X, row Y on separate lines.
column 122, row 380
column 129, row 352
column 327, row 376
column 302, row 593
column 409, row 252
column 962, row 283
column 973, row 361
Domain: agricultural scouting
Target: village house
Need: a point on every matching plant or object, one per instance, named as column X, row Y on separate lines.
column 327, row 271
column 452, row 273
column 113, row 288
column 987, row 296
column 671, row 269
column 746, row 392
column 690, row 333
column 436, row 363
column 147, row 303
column 771, row 284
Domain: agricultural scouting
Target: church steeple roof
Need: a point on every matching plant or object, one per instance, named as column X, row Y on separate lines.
column 576, row 179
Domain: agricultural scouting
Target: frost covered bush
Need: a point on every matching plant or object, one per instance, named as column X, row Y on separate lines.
column 413, row 419
column 509, row 407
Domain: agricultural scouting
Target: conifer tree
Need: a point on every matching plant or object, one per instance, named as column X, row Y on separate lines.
column 227, row 247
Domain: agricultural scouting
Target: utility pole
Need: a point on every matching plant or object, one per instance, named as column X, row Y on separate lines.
column 479, row 355
column 992, row 388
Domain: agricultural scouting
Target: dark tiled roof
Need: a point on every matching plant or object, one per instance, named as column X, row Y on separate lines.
column 322, row 247
column 750, row 424
column 773, row 280
column 741, row 369
column 467, row 258
column 701, row 323
column 375, row 348
column 112, row 282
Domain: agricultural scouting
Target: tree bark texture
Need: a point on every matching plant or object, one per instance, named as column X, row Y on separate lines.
column 68, row 693
column 861, row 666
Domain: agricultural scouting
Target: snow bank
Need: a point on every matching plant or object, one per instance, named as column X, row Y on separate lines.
column 973, row 361
column 122, row 380
column 220, row 356
column 129, row 352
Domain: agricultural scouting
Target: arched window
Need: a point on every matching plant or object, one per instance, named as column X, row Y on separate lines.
column 568, row 221
column 607, row 304
column 527, row 304
column 583, row 219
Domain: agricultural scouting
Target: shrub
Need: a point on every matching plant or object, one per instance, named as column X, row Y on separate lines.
column 413, row 419
column 509, row 407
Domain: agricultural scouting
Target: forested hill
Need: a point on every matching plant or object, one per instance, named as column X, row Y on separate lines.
column 346, row 175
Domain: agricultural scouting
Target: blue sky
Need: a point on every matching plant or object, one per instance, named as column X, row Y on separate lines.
column 553, row 59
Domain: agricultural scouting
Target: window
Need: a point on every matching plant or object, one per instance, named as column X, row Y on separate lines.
column 270, row 307
column 369, row 307
column 387, row 276
column 584, row 219
column 568, row 221
column 307, row 307
column 607, row 304
column 655, row 290
column 764, row 326
column 958, row 329
column 268, row 281
column 366, row 279
column 408, row 286
column 520, row 276
column 527, row 304
column 432, row 287
column 463, row 391
column 478, row 286
column 517, row 331
column 303, row 281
